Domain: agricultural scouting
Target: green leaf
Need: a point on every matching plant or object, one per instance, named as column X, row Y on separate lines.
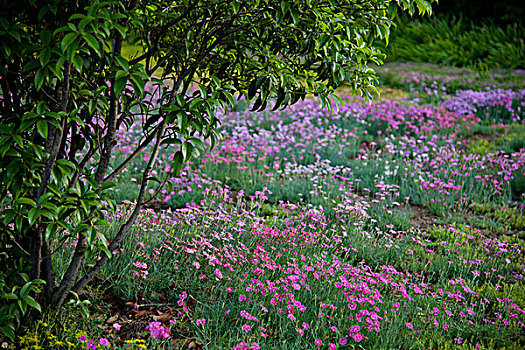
column 24, row 291
column 295, row 15
column 9, row 296
column 285, row 6
column 230, row 98
column 119, row 85
column 171, row 141
column 34, row 213
column 424, row 7
column 78, row 63
column 107, row 184
column 123, row 63
column 187, row 150
column 39, row 79
column 236, row 6
column 182, row 119
column 197, row 143
column 93, row 43
column 178, row 162
column 50, row 232
column 32, row 302
column 8, row 331
column 24, row 200
column 41, row 126
column 45, row 37
column 195, row 103
column 9, row 215
column 68, row 40
column 22, row 305
column 138, row 82
column 102, row 222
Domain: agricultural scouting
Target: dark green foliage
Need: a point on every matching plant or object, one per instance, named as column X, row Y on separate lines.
column 456, row 42
column 501, row 12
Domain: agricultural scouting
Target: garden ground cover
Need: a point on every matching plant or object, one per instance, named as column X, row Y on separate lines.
column 392, row 225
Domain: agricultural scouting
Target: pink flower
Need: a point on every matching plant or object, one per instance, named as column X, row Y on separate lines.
column 218, row 273
column 201, row 322
column 332, row 346
column 409, row 325
column 103, row 342
column 358, row 337
column 116, row 326
column 82, row 338
column 318, row 342
column 342, row 341
column 242, row 297
column 305, row 325
column 158, row 331
column 246, row 328
column 334, row 329
column 300, row 331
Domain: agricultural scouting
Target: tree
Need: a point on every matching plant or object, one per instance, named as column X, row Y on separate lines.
column 66, row 89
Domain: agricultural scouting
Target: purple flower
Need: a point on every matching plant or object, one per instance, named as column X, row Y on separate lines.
column 91, row 344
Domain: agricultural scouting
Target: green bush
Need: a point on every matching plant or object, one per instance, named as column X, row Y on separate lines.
column 454, row 42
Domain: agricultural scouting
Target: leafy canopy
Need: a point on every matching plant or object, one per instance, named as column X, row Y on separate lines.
column 67, row 88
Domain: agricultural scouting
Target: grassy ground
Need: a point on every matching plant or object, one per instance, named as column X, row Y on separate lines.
column 392, row 225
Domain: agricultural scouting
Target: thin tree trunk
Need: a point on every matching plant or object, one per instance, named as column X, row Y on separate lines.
column 115, row 244
column 60, row 295
column 109, row 139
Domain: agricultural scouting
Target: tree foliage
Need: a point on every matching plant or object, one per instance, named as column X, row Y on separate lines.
column 66, row 89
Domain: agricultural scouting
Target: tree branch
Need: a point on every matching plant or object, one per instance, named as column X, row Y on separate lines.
column 131, row 157
column 115, row 244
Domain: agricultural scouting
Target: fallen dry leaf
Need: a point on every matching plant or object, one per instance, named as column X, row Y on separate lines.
column 112, row 319
column 162, row 317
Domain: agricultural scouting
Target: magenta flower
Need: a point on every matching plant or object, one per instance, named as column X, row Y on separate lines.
column 409, row 325
column 116, row 326
column 158, row 331
column 103, row 342
column 246, row 328
column 318, row 342
column 91, row 344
